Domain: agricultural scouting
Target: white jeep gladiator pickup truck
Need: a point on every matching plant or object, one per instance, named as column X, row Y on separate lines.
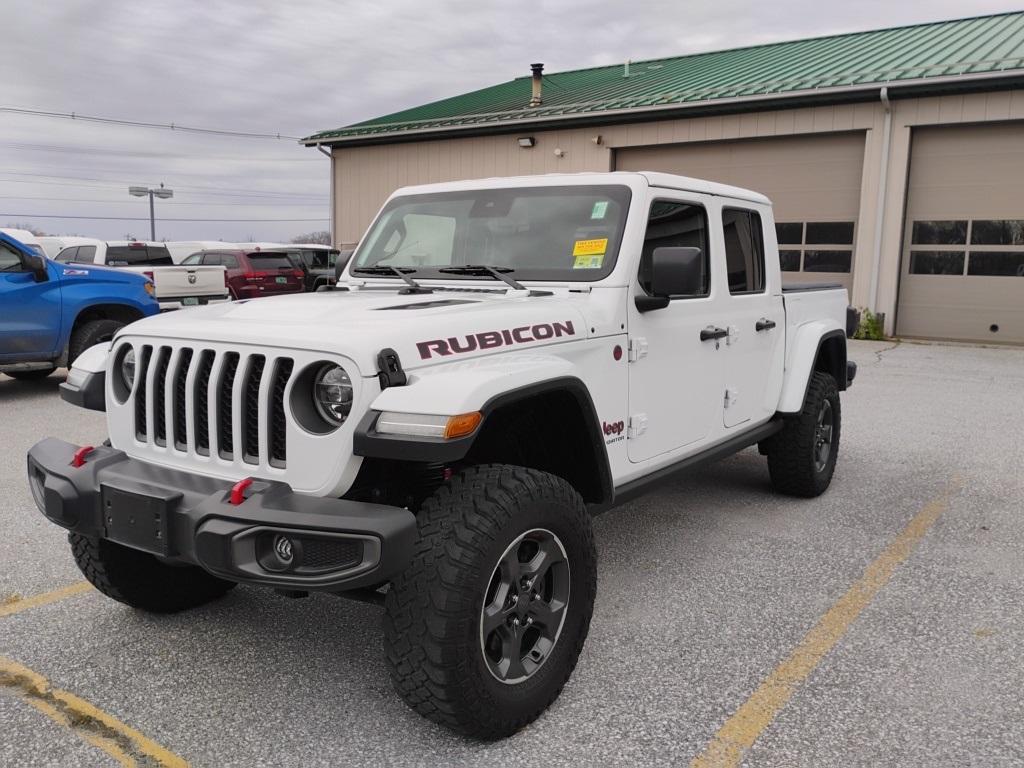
column 499, row 361
column 176, row 286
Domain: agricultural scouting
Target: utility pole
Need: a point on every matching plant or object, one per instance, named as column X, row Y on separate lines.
column 161, row 192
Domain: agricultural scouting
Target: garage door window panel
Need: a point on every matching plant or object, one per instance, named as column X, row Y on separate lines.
column 997, row 232
column 952, row 232
column 674, row 224
column 829, row 233
column 936, row 262
column 789, row 260
column 816, row 246
column 827, row 261
column 996, row 263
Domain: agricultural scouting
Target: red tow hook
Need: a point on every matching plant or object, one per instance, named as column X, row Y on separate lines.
column 238, row 491
column 78, row 460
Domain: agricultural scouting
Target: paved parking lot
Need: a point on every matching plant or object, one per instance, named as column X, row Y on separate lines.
column 716, row 597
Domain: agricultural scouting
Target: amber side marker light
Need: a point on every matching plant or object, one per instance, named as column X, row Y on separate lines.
column 462, row 425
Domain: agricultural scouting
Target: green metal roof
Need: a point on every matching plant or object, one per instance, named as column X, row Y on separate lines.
column 940, row 50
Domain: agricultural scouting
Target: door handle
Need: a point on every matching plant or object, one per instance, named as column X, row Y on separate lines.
column 712, row 333
column 764, row 324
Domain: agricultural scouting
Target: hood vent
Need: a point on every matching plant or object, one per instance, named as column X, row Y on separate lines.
column 431, row 304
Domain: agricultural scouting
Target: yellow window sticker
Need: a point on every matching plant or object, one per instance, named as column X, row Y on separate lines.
column 595, row 247
column 588, row 262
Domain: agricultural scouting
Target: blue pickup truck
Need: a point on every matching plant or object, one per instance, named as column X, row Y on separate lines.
column 50, row 313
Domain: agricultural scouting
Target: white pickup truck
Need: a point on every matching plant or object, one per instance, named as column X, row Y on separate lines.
column 175, row 286
column 500, row 360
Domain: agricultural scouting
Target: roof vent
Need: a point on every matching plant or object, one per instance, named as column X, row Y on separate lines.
column 538, row 72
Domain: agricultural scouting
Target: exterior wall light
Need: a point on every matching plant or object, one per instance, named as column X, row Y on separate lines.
column 526, row 142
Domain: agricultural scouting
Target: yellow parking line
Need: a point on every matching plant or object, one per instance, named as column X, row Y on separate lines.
column 17, row 605
column 122, row 742
column 741, row 730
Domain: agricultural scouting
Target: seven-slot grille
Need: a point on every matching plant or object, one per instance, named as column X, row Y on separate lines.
column 187, row 399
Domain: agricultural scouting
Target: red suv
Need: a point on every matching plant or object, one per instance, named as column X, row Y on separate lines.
column 251, row 274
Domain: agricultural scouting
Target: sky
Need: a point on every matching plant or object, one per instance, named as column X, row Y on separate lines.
column 292, row 69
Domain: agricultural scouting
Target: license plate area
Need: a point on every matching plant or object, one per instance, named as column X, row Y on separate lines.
column 281, row 280
column 190, row 301
column 137, row 520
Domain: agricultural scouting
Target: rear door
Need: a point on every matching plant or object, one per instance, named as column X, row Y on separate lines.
column 675, row 378
column 756, row 319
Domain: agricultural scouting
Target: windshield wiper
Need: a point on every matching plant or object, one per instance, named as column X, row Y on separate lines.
column 498, row 273
column 402, row 272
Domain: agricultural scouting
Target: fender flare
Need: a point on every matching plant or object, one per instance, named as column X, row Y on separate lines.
column 806, row 349
column 492, row 392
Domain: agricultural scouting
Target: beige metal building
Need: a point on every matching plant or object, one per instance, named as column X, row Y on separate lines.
column 894, row 158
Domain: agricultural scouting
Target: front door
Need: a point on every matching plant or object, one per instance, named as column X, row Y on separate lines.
column 29, row 311
column 675, row 378
column 757, row 322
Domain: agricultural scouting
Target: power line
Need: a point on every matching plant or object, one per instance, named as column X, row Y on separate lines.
column 135, row 218
column 218, row 191
column 34, row 174
column 143, row 124
column 268, row 204
column 112, row 152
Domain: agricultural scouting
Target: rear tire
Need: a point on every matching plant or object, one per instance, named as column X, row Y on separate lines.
column 802, row 457
column 36, row 375
column 140, row 580
column 485, row 626
column 89, row 334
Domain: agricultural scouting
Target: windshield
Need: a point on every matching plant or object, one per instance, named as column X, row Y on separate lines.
column 541, row 233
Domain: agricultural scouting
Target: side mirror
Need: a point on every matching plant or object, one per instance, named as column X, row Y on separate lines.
column 341, row 263
column 36, row 264
column 675, row 271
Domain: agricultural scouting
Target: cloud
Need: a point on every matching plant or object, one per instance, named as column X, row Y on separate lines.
column 274, row 67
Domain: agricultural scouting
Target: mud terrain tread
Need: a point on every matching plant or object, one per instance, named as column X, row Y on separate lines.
column 140, row 580
column 456, row 525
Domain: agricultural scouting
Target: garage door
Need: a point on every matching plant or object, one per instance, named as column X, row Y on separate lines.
column 813, row 181
column 963, row 254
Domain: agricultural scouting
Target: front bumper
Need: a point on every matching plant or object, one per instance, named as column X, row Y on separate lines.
column 332, row 544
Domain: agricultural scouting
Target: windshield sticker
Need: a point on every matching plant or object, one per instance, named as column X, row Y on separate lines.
column 595, row 247
column 588, row 262
column 599, row 210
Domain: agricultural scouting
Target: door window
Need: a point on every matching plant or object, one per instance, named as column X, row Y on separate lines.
column 673, row 223
column 86, row 254
column 212, row 259
column 231, row 262
column 744, row 250
column 67, row 255
column 10, row 260
column 195, row 258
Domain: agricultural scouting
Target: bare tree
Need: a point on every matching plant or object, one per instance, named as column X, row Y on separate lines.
column 321, row 238
column 29, row 227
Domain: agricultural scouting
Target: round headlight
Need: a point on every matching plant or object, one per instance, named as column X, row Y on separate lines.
column 332, row 393
column 128, row 368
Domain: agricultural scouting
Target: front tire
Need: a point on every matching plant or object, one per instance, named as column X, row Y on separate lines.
column 140, row 580
column 485, row 626
column 802, row 457
column 89, row 334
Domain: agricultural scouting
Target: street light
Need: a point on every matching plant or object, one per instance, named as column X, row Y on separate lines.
column 160, row 192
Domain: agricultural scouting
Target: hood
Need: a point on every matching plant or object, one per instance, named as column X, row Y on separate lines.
column 424, row 329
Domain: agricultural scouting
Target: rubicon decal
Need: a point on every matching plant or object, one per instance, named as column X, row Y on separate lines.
column 457, row 345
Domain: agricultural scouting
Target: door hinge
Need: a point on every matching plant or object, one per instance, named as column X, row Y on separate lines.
column 637, row 348
column 637, row 425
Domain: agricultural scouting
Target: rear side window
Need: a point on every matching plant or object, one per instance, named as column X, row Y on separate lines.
column 136, row 256
column 675, row 224
column 212, row 259
column 195, row 258
column 744, row 250
column 67, row 255
column 229, row 261
column 86, row 254
column 270, row 261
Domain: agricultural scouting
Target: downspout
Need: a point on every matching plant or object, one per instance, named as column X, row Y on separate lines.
column 883, row 184
column 330, row 156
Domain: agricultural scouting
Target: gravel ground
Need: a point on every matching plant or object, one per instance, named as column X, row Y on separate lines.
column 705, row 586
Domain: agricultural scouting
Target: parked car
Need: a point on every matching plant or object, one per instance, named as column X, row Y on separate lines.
column 26, row 238
column 253, row 273
column 316, row 262
column 180, row 250
column 176, row 286
column 53, row 312
column 508, row 358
